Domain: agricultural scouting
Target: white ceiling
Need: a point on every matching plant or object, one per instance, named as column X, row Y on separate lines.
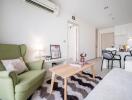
column 92, row 11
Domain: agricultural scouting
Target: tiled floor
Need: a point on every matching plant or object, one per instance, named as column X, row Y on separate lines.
column 97, row 62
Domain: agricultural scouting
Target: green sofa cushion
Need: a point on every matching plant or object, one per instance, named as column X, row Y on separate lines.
column 23, row 49
column 28, row 79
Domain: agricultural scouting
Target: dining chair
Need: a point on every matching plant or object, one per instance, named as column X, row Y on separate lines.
column 128, row 56
column 110, row 56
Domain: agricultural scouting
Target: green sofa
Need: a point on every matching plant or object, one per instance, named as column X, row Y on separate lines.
column 19, row 87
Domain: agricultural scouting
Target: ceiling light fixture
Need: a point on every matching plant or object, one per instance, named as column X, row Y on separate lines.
column 106, row 7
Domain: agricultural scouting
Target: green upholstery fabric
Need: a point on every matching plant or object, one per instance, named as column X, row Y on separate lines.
column 18, row 87
column 28, row 79
column 35, row 65
column 4, row 74
column 11, row 51
column 23, row 49
column 12, row 75
column 2, row 68
column 6, row 86
column 24, row 95
column 15, row 80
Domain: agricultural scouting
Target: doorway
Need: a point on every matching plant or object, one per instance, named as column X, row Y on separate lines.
column 73, row 41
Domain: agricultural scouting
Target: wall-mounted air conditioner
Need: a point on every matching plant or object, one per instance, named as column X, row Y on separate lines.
column 45, row 4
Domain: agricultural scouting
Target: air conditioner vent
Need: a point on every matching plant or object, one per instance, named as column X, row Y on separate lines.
column 45, row 4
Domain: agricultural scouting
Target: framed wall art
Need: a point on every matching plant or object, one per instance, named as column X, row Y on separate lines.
column 55, row 51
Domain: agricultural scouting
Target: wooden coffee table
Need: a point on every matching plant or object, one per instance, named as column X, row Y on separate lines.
column 65, row 71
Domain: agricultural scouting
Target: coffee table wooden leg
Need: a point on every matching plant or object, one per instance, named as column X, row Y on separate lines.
column 93, row 71
column 52, row 82
column 65, row 89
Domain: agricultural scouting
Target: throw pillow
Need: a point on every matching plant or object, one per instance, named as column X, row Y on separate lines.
column 16, row 65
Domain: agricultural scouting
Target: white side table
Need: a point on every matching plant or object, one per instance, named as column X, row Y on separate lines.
column 48, row 64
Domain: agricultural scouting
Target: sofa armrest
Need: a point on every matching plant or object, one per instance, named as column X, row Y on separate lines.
column 36, row 65
column 7, row 83
column 4, row 74
column 12, row 75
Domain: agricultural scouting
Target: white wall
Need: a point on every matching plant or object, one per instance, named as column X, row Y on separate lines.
column 122, row 33
column 21, row 22
column 106, row 30
column 87, row 41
